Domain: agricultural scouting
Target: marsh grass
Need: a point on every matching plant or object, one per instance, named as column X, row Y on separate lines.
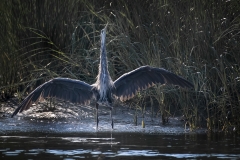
column 198, row 40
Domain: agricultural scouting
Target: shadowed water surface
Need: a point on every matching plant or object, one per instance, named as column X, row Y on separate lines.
column 36, row 145
column 25, row 137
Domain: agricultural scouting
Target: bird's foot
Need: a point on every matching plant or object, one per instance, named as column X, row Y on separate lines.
column 97, row 124
column 112, row 124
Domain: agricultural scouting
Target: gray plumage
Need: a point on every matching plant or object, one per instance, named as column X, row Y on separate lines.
column 104, row 90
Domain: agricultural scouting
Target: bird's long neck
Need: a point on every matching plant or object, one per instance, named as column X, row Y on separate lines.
column 104, row 82
column 103, row 66
column 104, row 78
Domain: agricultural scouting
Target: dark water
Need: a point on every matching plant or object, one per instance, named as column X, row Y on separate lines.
column 68, row 146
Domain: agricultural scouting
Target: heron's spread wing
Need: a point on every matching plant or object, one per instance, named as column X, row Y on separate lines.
column 144, row 77
column 62, row 88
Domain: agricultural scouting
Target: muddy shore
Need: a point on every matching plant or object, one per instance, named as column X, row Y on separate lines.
column 66, row 117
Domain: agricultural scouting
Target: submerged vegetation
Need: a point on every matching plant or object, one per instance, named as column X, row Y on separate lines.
column 198, row 40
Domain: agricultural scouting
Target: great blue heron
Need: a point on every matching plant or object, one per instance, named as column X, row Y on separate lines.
column 104, row 90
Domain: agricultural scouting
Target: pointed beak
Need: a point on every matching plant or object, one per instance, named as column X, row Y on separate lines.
column 105, row 28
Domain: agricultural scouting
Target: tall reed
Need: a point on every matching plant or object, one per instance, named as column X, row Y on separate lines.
column 195, row 39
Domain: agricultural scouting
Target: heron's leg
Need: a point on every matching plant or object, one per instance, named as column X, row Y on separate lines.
column 111, row 116
column 97, row 115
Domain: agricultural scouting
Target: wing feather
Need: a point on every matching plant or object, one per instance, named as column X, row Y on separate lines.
column 144, row 77
column 61, row 88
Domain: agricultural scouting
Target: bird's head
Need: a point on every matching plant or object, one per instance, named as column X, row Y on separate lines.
column 103, row 36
